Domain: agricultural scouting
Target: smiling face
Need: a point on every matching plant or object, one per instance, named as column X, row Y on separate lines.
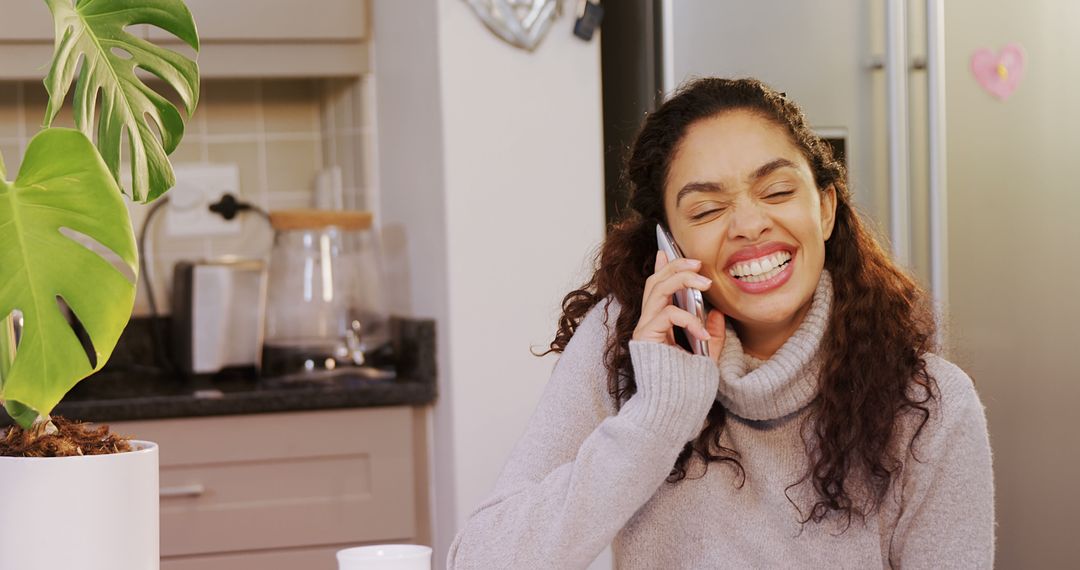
column 740, row 197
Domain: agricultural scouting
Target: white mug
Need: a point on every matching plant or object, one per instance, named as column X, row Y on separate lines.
column 385, row 557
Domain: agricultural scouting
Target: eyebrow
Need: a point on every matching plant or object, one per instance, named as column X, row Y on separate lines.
column 761, row 172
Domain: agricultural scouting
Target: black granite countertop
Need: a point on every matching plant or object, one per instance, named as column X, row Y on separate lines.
column 132, row 387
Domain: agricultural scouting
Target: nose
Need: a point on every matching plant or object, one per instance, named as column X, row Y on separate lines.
column 748, row 220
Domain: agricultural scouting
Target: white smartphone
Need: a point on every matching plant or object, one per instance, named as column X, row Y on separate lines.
column 689, row 300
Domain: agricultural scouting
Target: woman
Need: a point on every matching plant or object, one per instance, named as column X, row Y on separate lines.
column 821, row 432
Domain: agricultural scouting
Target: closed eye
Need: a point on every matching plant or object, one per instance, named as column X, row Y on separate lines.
column 705, row 214
column 780, row 194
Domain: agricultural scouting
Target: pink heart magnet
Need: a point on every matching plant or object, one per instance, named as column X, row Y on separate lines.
column 999, row 73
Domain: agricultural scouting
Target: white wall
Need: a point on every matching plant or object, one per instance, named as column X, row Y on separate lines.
column 491, row 191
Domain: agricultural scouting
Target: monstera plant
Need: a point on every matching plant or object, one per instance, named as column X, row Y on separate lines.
column 64, row 303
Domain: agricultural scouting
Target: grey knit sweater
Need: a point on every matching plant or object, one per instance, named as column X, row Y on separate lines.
column 585, row 475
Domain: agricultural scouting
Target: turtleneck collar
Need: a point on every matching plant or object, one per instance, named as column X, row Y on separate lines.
column 786, row 382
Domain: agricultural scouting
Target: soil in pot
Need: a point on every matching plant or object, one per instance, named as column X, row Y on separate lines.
column 72, row 438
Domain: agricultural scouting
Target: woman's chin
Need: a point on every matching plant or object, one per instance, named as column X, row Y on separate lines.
column 777, row 315
column 778, row 308
column 764, row 320
column 760, row 312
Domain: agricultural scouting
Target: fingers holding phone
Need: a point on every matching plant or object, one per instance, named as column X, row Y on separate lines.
column 676, row 278
column 659, row 314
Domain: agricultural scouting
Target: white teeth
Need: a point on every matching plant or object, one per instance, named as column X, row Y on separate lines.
column 760, row 269
column 763, row 277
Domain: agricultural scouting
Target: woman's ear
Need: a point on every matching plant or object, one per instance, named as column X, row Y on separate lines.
column 828, row 211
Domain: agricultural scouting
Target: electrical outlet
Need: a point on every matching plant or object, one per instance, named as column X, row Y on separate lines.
column 198, row 186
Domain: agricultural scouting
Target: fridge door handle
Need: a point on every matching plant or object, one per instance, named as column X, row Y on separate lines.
column 896, row 92
column 938, row 199
column 877, row 63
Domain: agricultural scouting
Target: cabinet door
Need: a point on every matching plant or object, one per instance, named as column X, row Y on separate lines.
column 26, row 39
column 239, row 38
column 294, row 480
column 292, row 559
column 22, row 21
column 277, row 38
column 275, row 20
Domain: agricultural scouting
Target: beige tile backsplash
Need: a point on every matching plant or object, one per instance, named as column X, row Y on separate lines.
column 287, row 109
column 296, row 163
column 247, row 157
column 10, row 114
column 12, row 157
column 34, row 102
column 231, row 108
column 280, row 134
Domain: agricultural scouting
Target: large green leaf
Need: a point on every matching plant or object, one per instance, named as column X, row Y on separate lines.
column 62, row 183
column 94, row 31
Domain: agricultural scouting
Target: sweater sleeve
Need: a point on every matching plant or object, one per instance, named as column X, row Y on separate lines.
column 580, row 471
column 947, row 517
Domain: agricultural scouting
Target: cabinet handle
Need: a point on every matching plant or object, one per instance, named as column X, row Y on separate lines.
column 196, row 490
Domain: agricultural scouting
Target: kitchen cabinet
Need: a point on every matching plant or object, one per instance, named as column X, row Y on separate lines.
column 278, row 38
column 239, row 38
column 26, row 22
column 26, row 40
column 286, row 490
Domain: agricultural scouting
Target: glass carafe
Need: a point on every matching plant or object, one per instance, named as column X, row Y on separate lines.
column 324, row 310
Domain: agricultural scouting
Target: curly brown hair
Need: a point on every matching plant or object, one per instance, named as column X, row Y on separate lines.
column 873, row 351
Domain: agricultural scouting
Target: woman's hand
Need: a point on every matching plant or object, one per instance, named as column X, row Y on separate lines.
column 659, row 314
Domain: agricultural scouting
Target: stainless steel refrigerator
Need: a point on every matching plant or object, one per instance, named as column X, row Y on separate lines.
column 972, row 184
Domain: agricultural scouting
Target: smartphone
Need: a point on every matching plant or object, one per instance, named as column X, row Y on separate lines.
column 689, row 300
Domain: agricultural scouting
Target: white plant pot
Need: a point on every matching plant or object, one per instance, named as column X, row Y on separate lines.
column 97, row 512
